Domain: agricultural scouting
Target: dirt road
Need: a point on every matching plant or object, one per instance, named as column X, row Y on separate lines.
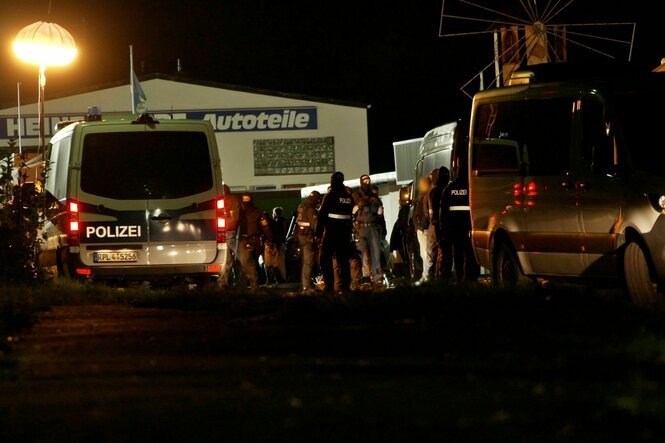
column 119, row 373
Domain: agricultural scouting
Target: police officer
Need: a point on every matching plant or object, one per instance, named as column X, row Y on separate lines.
column 333, row 227
column 455, row 223
column 305, row 230
column 274, row 256
column 233, row 207
column 368, row 212
column 254, row 228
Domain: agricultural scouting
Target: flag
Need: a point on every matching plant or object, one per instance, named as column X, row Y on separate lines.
column 139, row 98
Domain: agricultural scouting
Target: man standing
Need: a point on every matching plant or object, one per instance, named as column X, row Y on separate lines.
column 254, row 230
column 368, row 211
column 439, row 252
column 275, row 249
column 305, row 229
column 421, row 223
column 233, row 214
column 456, row 227
column 333, row 227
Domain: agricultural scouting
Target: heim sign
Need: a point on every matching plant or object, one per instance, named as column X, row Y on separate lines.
column 222, row 120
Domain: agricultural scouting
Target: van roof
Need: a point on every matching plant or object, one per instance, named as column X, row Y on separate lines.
column 123, row 121
column 571, row 78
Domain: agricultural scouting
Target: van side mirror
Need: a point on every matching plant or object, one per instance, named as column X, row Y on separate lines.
column 497, row 157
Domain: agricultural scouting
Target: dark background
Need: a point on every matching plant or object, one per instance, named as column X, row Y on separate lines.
column 384, row 54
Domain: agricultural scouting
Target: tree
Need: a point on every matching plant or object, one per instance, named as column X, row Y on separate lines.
column 21, row 206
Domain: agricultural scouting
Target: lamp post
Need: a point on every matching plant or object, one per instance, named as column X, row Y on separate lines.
column 44, row 44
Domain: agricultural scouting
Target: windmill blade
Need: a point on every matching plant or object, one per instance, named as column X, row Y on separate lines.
column 598, row 37
column 493, row 11
column 548, row 8
column 553, row 14
column 598, row 51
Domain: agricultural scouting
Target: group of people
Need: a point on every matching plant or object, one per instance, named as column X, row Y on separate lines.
column 344, row 232
column 251, row 233
column 442, row 225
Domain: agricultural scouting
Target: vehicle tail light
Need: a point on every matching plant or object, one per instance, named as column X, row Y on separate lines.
column 83, row 271
column 73, row 225
column 221, row 220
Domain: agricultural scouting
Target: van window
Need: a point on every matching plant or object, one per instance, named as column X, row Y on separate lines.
column 142, row 165
column 58, row 167
column 436, row 160
column 640, row 127
column 541, row 128
column 597, row 139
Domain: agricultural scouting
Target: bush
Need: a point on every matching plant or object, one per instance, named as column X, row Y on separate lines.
column 21, row 209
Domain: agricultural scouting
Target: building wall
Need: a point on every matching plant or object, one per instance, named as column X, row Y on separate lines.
column 347, row 124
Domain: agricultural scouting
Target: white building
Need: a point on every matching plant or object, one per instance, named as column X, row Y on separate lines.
column 267, row 140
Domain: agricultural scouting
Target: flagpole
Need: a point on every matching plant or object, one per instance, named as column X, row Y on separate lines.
column 131, row 77
column 18, row 109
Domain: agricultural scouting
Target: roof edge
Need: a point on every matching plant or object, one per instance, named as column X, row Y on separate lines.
column 211, row 84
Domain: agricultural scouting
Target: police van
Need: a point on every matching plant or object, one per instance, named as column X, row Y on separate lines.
column 567, row 179
column 135, row 199
column 441, row 146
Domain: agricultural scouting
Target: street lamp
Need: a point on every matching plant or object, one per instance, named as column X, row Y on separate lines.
column 44, row 44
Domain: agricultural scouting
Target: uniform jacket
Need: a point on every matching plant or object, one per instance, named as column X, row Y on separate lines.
column 458, row 220
column 336, row 210
column 306, row 219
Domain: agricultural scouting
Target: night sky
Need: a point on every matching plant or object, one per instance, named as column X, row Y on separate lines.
column 385, row 54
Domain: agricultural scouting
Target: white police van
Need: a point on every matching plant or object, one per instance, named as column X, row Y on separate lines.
column 135, row 200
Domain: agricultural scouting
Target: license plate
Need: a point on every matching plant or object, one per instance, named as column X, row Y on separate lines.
column 115, row 257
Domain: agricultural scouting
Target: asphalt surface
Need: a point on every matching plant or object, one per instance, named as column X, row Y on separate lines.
column 391, row 367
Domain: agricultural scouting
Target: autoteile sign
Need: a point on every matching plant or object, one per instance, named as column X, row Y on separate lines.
column 222, row 120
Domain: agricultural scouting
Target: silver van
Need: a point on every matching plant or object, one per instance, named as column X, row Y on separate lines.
column 135, row 200
column 438, row 148
column 567, row 180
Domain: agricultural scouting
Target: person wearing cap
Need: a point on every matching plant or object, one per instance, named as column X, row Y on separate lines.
column 305, row 229
column 368, row 215
column 333, row 228
column 254, row 229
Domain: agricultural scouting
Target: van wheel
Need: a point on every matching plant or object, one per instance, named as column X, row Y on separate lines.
column 507, row 273
column 639, row 285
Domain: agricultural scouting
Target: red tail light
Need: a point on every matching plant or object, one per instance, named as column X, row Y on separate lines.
column 221, row 220
column 73, row 225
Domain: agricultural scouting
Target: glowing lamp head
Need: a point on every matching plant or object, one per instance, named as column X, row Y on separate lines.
column 45, row 44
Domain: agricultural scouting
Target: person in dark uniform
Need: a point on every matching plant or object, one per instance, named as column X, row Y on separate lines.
column 455, row 220
column 439, row 252
column 305, row 230
column 403, row 237
column 333, row 227
column 275, row 250
column 233, row 208
column 254, row 229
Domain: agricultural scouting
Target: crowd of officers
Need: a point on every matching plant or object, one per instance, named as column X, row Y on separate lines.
column 342, row 235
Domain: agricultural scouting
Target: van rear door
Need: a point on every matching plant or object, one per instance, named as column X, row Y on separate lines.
column 150, row 196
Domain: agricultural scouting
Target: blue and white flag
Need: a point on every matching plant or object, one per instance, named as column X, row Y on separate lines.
column 139, row 99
